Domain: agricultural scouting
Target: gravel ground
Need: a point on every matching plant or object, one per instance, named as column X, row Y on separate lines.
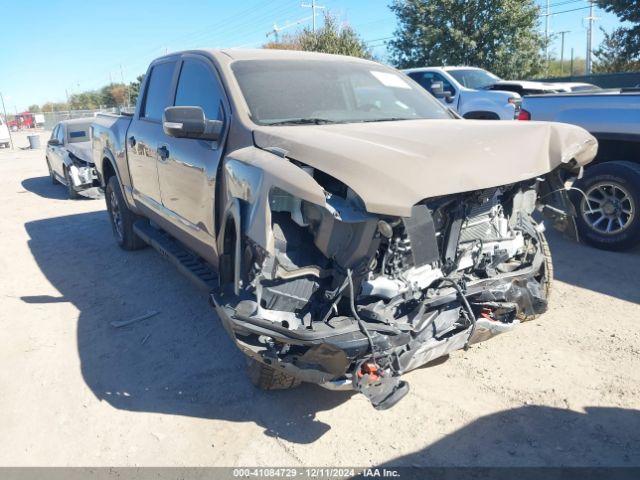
column 170, row 390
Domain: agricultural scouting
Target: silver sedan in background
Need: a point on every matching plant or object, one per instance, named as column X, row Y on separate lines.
column 68, row 155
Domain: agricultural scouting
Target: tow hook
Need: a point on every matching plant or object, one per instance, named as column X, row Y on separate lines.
column 381, row 386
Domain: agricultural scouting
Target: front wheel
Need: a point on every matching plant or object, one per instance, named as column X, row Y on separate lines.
column 122, row 219
column 73, row 195
column 607, row 205
column 52, row 176
column 544, row 276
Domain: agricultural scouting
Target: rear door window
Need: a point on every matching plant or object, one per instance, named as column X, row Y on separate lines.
column 158, row 95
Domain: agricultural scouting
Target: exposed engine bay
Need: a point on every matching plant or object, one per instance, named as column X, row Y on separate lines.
column 350, row 299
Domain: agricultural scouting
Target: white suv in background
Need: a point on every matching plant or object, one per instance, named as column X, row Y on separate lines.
column 467, row 91
column 4, row 134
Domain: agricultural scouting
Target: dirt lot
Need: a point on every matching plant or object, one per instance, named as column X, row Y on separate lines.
column 170, row 390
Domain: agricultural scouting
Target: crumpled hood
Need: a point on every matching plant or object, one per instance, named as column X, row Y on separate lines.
column 394, row 165
column 82, row 150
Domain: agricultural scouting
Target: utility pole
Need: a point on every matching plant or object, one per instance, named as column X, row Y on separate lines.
column 546, row 33
column 4, row 110
column 571, row 74
column 562, row 51
column 313, row 6
column 591, row 18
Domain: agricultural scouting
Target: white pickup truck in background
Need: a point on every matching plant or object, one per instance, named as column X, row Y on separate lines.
column 608, row 211
column 464, row 89
column 477, row 93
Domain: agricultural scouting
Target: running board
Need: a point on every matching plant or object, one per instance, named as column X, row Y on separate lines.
column 187, row 262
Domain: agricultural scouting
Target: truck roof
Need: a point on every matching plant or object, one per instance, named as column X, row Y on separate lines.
column 228, row 55
column 446, row 69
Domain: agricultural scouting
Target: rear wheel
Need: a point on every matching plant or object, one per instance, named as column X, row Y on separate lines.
column 268, row 378
column 122, row 219
column 608, row 215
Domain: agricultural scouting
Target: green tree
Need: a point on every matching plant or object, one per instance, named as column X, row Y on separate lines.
column 134, row 88
column 620, row 50
column 331, row 38
column 612, row 55
column 498, row 35
column 34, row 108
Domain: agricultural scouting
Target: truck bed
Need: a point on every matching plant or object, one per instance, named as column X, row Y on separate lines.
column 607, row 113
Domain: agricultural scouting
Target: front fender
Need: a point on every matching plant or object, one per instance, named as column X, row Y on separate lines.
column 249, row 176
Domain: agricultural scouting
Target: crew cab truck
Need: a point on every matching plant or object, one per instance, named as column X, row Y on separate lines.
column 349, row 227
column 608, row 196
column 469, row 91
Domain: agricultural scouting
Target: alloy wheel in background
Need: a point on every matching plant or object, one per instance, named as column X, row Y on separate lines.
column 608, row 208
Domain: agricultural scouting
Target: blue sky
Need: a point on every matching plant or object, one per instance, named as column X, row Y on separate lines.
column 49, row 46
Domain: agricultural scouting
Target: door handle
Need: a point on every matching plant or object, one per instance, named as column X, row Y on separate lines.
column 163, row 153
column 132, row 141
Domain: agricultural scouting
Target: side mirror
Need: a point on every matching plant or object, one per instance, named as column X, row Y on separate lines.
column 54, row 142
column 437, row 89
column 190, row 122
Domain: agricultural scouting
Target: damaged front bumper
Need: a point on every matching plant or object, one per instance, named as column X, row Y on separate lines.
column 337, row 355
column 82, row 176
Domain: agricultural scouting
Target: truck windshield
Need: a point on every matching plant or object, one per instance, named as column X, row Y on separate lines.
column 474, row 78
column 288, row 92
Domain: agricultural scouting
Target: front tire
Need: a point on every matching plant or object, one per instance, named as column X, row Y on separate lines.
column 608, row 212
column 52, row 176
column 122, row 219
column 268, row 378
column 73, row 195
column 544, row 277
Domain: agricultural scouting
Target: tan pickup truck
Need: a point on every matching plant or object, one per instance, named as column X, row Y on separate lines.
column 350, row 228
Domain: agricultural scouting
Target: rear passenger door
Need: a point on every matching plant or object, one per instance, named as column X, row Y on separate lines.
column 188, row 167
column 145, row 133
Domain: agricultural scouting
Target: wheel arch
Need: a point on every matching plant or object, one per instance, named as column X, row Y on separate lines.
column 481, row 115
column 229, row 242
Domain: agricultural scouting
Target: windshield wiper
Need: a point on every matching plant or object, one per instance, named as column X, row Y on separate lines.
column 303, row 121
column 388, row 119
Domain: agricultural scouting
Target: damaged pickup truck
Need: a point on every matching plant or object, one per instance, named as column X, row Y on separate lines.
column 356, row 228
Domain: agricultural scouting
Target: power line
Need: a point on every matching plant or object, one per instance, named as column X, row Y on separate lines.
column 563, row 11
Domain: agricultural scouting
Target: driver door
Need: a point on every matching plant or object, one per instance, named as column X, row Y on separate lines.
column 188, row 167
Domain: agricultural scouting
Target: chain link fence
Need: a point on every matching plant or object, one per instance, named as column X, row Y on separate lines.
column 51, row 118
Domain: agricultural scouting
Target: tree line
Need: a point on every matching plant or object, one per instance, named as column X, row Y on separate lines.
column 110, row 96
column 502, row 36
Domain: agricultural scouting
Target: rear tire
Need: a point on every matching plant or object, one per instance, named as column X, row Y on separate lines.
column 122, row 219
column 613, row 190
column 268, row 378
column 544, row 277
